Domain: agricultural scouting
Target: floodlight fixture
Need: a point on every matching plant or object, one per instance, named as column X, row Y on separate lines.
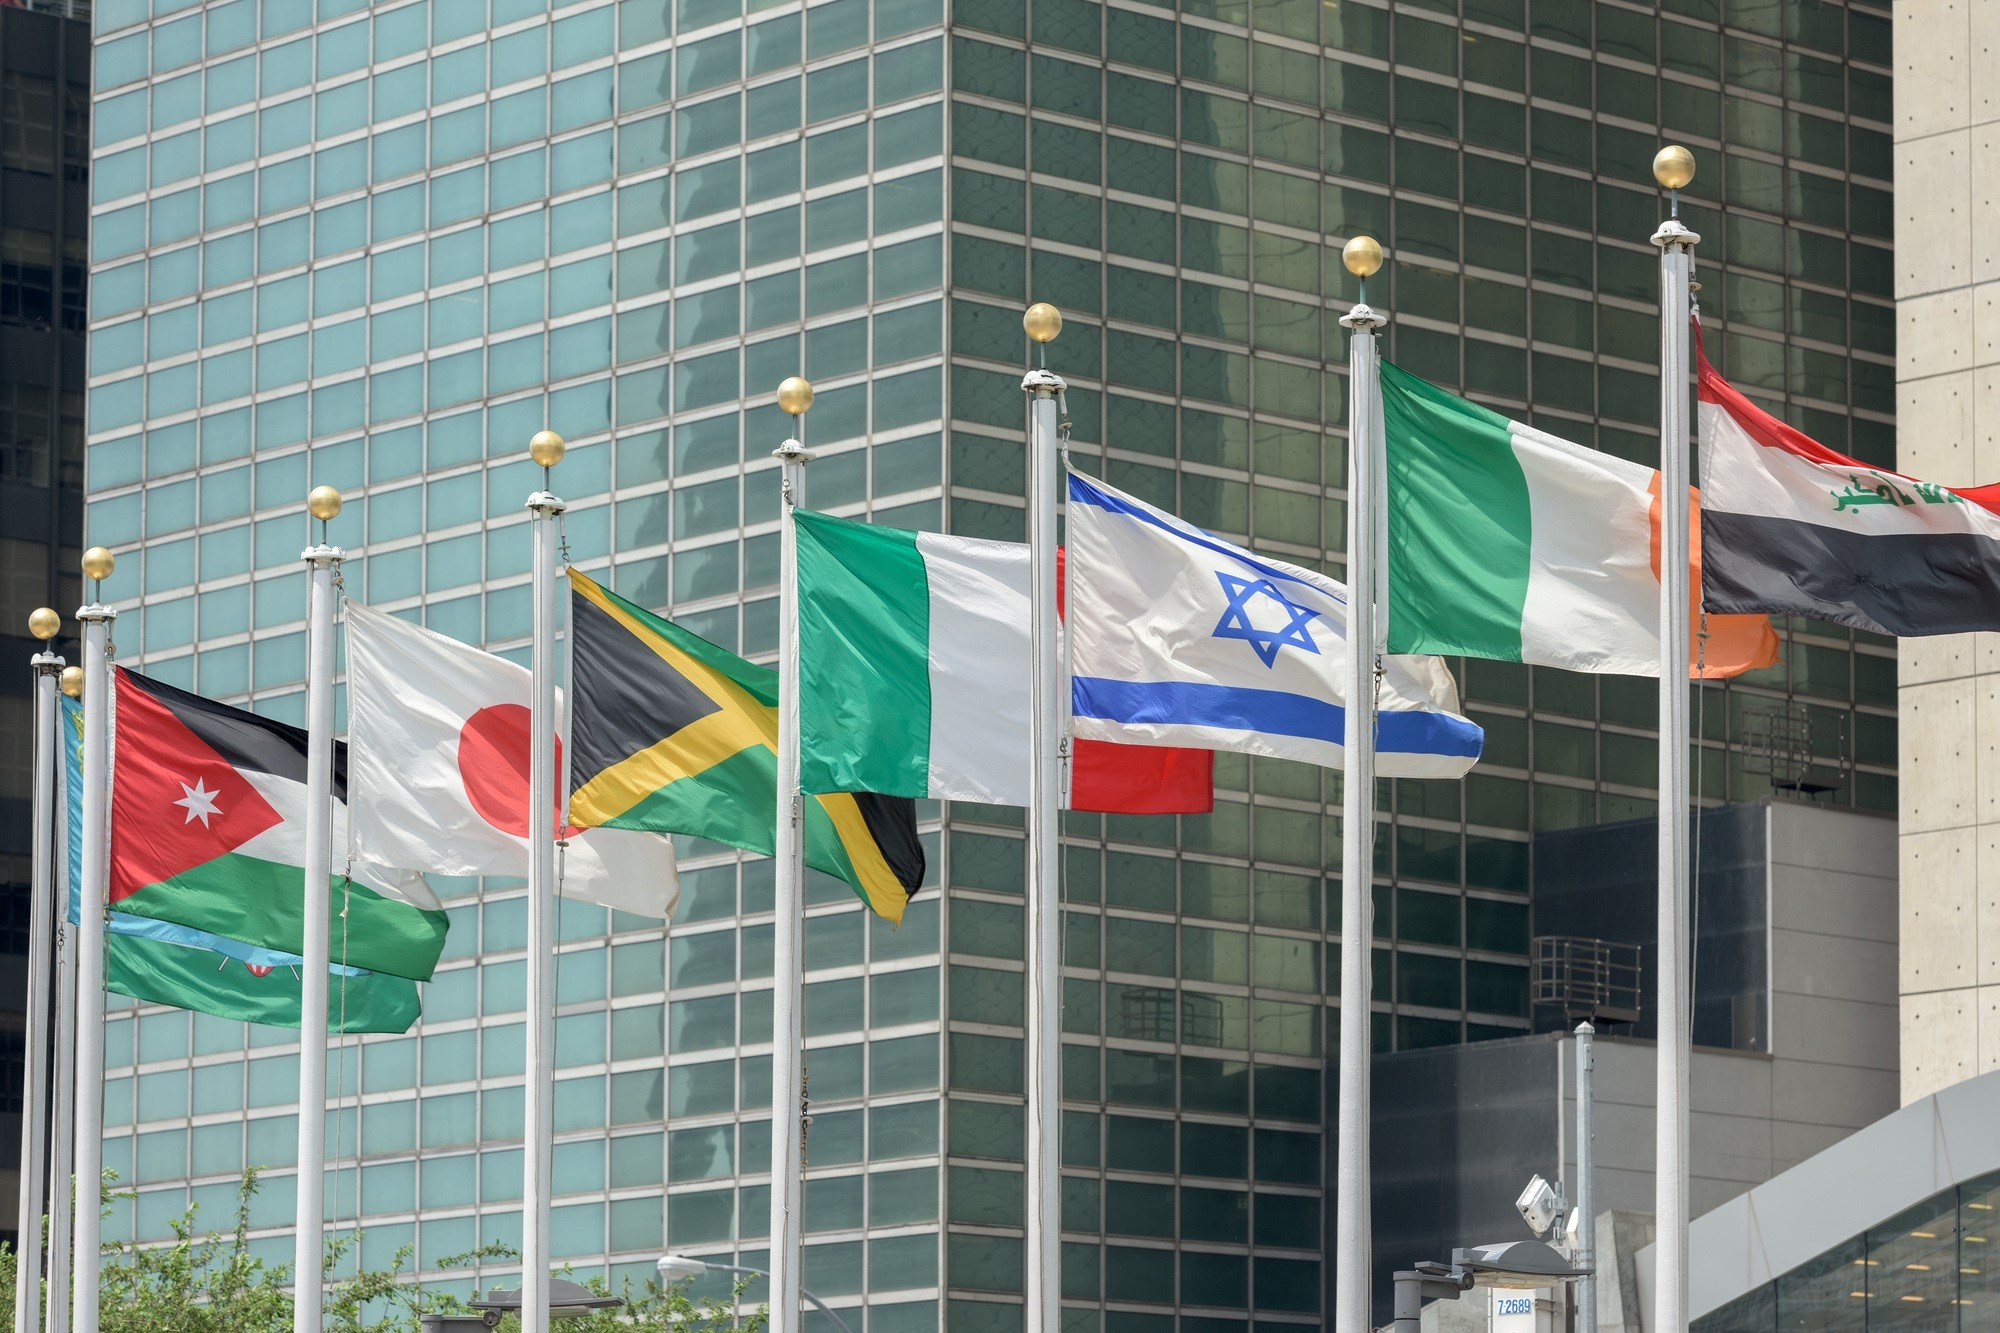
column 1540, row 1206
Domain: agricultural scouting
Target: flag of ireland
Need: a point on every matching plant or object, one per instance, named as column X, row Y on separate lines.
column 1506, row 542
column 913, row 659
column 208, row 831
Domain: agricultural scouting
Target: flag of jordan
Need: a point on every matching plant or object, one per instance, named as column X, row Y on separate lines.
column 208, row 810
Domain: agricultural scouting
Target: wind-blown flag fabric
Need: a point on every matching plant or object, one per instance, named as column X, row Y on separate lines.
column 671, row 734
column 164, row 963
column 438, row 748
column 1793, row 528
column 208, row 830
column 1186, row 639
column 1135, row 778
column 913, row 663
column 914, row 657
column 1506, row 542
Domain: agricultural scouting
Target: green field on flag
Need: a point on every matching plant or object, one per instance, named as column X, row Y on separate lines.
column 913, row 662
column 1460, row 527
column 864, row 659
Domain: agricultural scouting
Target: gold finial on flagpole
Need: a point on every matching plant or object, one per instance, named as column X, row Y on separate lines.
column 547, row 448
column 1042, row 322
column 72, row 681
column 1362, row 256
column 44, row 623
column 98, row 562
column 795, row 395
column 1673, row 167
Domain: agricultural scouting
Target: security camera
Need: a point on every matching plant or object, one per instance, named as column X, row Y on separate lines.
column 1540, row 1206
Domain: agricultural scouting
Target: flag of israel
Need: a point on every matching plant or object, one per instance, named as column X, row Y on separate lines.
column 1181, row 638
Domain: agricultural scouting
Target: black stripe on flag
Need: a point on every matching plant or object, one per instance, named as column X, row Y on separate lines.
column 892, row 822
column 247, row 742
column 1908, row 584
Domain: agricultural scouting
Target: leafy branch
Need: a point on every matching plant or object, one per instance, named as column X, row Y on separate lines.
column 212, row 1283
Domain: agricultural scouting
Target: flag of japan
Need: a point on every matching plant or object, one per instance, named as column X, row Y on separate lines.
column 438, row 771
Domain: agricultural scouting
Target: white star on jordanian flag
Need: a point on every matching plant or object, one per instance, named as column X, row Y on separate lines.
column 199, row 802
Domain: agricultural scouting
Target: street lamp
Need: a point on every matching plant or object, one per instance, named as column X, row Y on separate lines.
column 680, row 1267
column 567, row 1300
column 1514, row 1263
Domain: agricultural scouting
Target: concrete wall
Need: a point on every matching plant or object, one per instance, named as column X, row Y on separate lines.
column 1948, row 428
column 1458, row 1130
column 1745, row 1121
column 1833, row 1063
column 1834, row 944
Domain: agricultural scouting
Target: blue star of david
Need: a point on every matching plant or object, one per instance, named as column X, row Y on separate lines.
column 1237, row 624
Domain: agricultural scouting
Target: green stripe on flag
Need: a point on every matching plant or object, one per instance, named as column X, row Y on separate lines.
column 246, row 898
column 730, row 802
column 864, row 659
column 206, row 982
column 1460, row 527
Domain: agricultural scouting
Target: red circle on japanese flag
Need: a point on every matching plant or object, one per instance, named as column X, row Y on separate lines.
column 493, row 765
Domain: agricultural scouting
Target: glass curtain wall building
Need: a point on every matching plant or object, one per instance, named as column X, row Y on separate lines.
column 1929, row 1267
column 378, row 247
column 44, row 223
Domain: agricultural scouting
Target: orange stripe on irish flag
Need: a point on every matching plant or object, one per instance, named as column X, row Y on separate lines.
column 1724, row 645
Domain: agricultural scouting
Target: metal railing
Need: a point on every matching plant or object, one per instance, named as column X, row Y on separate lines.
column 1587, row 979
column 69, row 9
column 1779, row 743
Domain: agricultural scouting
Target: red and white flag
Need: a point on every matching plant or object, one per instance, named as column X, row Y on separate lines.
column 437, row 775
column 1789, row 527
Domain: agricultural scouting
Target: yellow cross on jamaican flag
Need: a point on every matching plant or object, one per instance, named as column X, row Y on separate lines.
column 670, row 734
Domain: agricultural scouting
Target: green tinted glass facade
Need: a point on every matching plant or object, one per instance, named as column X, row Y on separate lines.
column 379, row 247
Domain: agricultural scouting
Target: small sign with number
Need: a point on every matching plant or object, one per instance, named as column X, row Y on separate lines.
column 1517, row 1311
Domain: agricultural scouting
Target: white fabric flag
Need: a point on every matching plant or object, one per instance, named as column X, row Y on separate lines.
column 437, row 771
column 1181, row 638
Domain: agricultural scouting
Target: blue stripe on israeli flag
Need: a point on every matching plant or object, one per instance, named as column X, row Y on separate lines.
column 1183, row 638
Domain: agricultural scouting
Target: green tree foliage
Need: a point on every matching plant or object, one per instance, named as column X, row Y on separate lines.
column 210, row 1283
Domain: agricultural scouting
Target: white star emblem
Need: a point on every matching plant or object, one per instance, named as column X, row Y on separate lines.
column 199, row 802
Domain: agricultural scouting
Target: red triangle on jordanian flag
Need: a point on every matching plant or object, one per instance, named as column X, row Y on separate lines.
column 176, row 803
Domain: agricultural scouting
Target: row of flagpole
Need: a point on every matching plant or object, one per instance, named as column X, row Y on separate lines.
column 1363, row 257
column 1673, row 168
column 1046, row 459
column 42, row 986
column 538, row 1124
column 78, row 985
column 309, row 1238
column 788, row 961
column 88, row 1141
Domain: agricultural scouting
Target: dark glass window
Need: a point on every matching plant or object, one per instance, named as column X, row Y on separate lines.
column 26, row 432
column 27, row 276
column 28, row 122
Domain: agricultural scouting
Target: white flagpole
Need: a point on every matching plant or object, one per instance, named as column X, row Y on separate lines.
column 62, row 1212
column 89, row 1133
column 1673, row 168
column 1351, row 1303
column 788, row 1143
column 1585, row 1254
column 538, row 1141
column 309, row 1222
column 43, row 624
column 1044, row 1008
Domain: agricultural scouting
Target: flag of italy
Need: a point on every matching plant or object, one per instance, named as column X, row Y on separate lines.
column 1506, row 542
column 913, row 663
